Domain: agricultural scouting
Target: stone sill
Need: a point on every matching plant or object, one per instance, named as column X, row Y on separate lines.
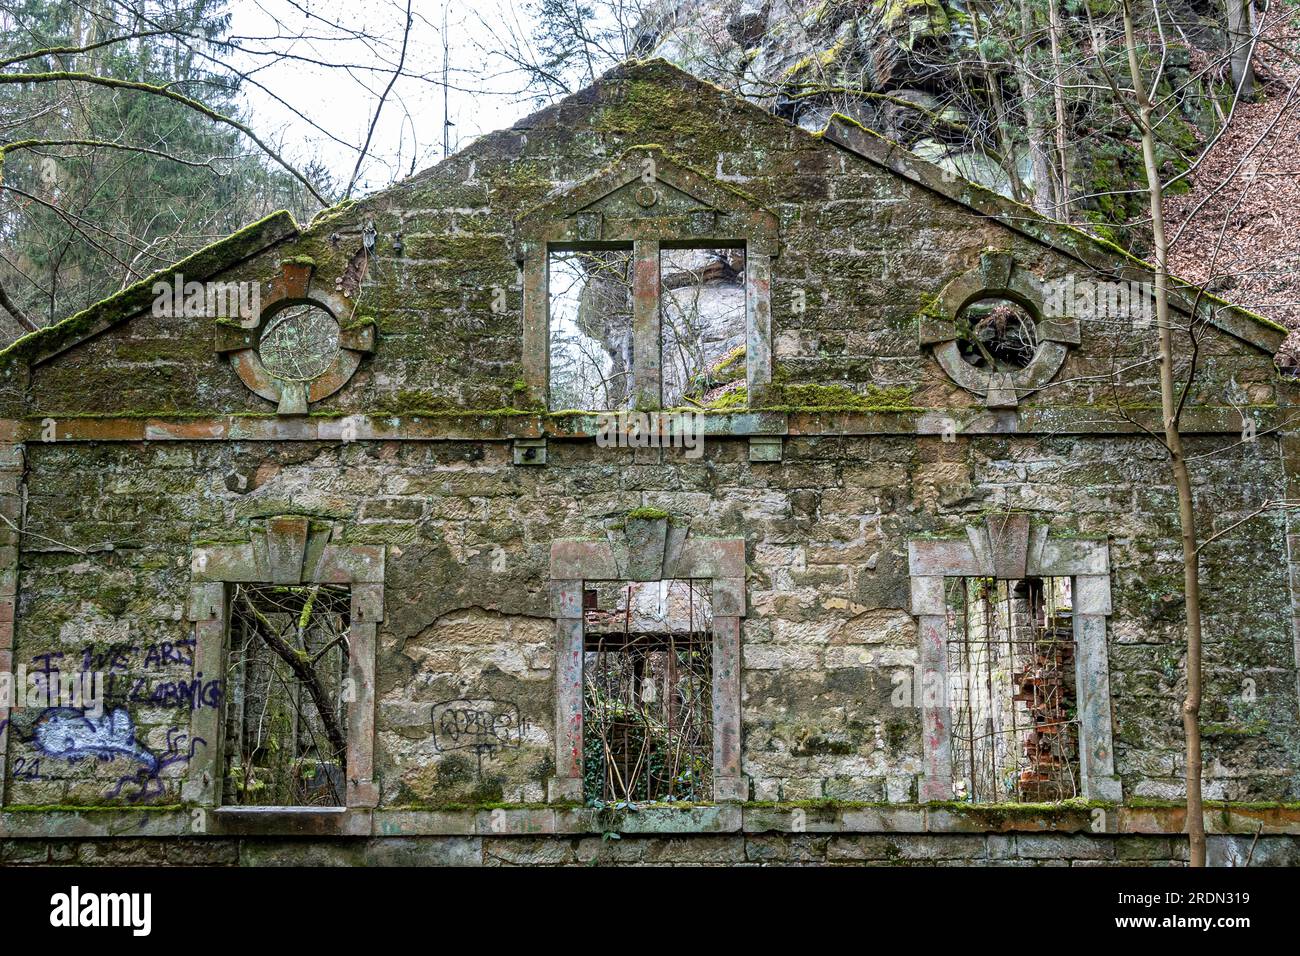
column 498, row 426
column 722, row 818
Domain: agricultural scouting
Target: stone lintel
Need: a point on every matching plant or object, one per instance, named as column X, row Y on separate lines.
column 1064, row 557
column 939, row 557
column 583, row 560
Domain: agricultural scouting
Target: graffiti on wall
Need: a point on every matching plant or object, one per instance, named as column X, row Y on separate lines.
column 132, row 670
column 70, row 735
column 134, row 674
column 482, row 725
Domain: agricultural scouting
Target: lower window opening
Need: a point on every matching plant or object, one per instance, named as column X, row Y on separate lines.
column 648, row 692
column 1011, row 690
column 286, row 714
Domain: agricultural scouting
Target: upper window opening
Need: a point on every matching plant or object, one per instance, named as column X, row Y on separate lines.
column 591, row 329
column 1012, row 690
column 648, row 692
column 997, row 335
column 702, row 314
column 286, row 709
column 299, row 343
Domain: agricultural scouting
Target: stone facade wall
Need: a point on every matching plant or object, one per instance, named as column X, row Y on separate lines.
column 863, row 252
column 141, row 446
column 828, row 637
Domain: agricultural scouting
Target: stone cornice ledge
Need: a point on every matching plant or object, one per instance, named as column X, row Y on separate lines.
column 508, row 426
column 1096, row 819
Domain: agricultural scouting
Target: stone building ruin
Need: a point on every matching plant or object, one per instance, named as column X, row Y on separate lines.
column 363, row 585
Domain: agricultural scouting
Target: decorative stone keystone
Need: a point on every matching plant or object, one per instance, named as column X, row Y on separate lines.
column 1008, row 544
column 645, row 548
column 286, row 543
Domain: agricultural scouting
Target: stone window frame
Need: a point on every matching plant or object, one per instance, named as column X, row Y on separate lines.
column 296, row 285
column 724, row 218
column 1008, row 548
column 652, row 551
column 998, row 276
column 285, row 550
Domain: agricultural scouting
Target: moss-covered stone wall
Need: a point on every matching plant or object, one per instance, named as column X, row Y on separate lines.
column 110, row 525
column 827, row 637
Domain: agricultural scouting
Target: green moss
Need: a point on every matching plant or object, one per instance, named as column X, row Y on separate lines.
column 816, row 65
column 1253, row 729
column 646, row 513
column 731, row 365
column 665, row 105
column 327, row 216
column 728, row 401
column 790, row 397
column 521, row 184
column 298, row 261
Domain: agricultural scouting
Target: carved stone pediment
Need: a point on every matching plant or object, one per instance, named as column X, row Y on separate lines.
column 648, row 195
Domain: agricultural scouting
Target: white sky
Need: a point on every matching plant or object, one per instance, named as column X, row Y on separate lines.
column 340, row 103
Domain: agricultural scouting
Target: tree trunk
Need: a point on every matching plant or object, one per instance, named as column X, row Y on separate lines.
column 1241, row 44
column 1169, row 402
column 1006, row 144
column 1058, row 98
column 1044, row 200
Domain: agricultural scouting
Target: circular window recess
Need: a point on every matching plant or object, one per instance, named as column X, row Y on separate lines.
column 997, row 335
column 299, row 343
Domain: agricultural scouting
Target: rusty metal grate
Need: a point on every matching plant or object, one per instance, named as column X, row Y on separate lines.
column 648, row 693
column 1011, row 690
column 286, row 724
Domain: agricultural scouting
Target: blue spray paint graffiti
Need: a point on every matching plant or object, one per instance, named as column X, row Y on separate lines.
column 63, row 733
column 148, row 780
column 68, row 734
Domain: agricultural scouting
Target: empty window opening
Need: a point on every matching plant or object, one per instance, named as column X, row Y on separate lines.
column 997, row 334
column 299, row 343
column 590, row 319
column 702, row 316
column 648, row 692
column 286, row 708
column 1011, row 690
